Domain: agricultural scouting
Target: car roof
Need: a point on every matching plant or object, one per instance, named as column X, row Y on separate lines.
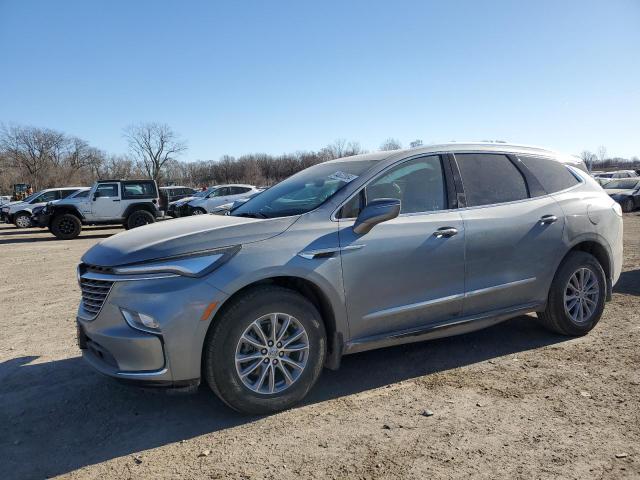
column 174, row 186
column 61, row 188
column 488, row 147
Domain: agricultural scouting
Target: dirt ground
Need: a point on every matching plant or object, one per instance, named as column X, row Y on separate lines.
column 512, row 401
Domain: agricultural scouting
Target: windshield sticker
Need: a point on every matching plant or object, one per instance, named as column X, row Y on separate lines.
column 343, row 176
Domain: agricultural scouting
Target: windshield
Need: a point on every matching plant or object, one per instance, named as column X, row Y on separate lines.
column 203, row 193
column 626, row 184
column 304, row 191
column 32, row 196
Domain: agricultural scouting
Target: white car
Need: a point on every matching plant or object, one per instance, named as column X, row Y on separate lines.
column 131, row 203
column 220, row 195
column 19, row 213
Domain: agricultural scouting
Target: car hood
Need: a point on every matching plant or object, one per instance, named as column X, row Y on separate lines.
column 181, row 201
column 14, row 206
column 183, row 236
column 619, row 191
column 11, row 204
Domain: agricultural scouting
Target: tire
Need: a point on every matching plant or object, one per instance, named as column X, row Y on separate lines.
column 66, row 226
column 627, row 205
column 575, row 321
column 225, row 342
column 139, row 218
column 198, row 211
column 22, row 220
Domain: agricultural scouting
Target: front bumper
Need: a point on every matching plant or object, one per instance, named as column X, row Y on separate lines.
column 169, row 358
column 40, row 219
column 5, row 217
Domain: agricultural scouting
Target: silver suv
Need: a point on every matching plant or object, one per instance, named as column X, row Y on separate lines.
column 350, row 255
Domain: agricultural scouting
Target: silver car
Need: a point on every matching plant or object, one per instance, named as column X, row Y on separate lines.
column 350, row 255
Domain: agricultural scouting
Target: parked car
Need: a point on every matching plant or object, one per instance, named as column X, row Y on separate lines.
column 180, row 208
column 220, row 195
column 4, row 199
column 350, row 255
column 19, row 212
column 131, row 203
column 37, row 214
column 174, row 193
column 616, row 174
column 625, row 191
column 228, row 207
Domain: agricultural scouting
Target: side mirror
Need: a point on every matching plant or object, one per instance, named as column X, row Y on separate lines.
column 376, row 212
column 95, row 195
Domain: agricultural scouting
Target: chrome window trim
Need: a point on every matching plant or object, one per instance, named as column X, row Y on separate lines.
column 333, row 217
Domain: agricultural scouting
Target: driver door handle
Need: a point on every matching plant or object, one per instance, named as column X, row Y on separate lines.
column 445, row 232
column 548, row 219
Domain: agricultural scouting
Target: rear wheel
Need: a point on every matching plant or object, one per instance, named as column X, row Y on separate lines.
column 577, row 295
column 627, row 205
column 66, row 226
column 22, row 220
column 139, row 218
column 266, row 351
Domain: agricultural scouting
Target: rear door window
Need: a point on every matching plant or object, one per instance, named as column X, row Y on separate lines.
column 490, row 178
column 552, row 175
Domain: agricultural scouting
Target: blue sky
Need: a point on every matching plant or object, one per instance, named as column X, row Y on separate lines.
column 279, row 76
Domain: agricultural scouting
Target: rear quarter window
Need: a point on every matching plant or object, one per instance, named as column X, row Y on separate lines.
column 131, row 190
column 552, row 175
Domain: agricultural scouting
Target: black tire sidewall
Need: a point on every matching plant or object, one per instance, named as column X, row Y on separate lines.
column 55, row 227
column 220, row 348
column 575, row 261
column 627, row 205
column 137, row 214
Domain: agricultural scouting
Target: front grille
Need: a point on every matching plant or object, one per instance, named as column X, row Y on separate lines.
column 94, row 293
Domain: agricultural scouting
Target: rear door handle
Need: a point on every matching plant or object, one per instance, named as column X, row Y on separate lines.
column 548, row 219
column 445, row 232
column 116, row 200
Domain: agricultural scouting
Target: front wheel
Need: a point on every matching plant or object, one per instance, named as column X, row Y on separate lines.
column 23, row 220
column 576, row 298
column 66, row 226
column 266, row 351
column 627, row 205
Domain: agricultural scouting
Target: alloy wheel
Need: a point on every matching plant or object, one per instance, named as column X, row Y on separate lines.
column 272, row 353
column 23, row 221
column 66, row 226
column 581, row 295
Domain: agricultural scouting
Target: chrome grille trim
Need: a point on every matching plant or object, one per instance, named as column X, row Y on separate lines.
column 94, row 294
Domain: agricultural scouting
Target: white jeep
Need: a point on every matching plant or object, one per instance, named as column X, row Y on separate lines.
column 132, row 203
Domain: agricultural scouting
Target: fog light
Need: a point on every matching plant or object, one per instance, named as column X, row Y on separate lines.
column 140, row 321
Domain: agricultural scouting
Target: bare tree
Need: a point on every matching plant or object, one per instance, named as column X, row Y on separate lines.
column 588, row 158
column 153, row 145
column 602, row 153
column 32, row 149
column 415, row 144
column 390, row 144
column 341, row 148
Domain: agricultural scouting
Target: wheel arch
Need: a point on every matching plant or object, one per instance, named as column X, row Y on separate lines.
column 139, row 206
column 312, row 292
column 600, row 250
column 63, row 209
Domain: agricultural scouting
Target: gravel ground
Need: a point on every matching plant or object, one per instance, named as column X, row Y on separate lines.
column 512, row 401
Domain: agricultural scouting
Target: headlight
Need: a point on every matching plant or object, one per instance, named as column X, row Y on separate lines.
column 194, row 265
column 617, row 208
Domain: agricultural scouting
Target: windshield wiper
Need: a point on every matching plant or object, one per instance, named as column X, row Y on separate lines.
column 251, row 215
